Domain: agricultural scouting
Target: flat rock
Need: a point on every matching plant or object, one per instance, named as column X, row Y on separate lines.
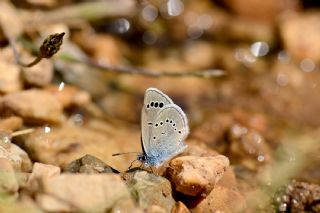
column 34, row 106
column 151, row 190
column 60, row 145
column 89, row 164
column 11, row 123
column 69, row 95
column 194, row 175
column 84, row 193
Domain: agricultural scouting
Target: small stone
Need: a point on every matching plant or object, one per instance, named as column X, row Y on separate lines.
column 84, row 193
column 8, row 181
column 69, row 95
column 179, row 207
column 194, row 176
column 9, row 77
column 39, row 75
column 43, row 170
column 17, row 156
column 34, row 106
column 89, row 164
column 66, row 143
column 149, row 189
column 11, row 123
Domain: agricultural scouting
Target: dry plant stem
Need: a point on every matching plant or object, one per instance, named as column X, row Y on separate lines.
column 94, row 10
column 22, row 132
column 209, row 73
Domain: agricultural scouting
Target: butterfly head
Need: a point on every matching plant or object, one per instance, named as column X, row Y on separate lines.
column 142, row 157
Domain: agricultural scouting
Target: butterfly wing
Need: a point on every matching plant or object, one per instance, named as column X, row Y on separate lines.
column 167, row 135
column 154, row 101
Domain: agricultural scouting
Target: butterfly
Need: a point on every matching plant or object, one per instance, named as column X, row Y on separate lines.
column 164, row 127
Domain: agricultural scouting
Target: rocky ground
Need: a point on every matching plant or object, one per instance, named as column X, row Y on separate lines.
column 254, row 131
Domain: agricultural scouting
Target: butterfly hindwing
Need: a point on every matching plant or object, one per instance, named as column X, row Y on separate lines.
column 154, row 101
column 167, row 135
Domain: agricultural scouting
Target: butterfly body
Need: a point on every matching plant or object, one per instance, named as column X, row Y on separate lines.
column 164, row 127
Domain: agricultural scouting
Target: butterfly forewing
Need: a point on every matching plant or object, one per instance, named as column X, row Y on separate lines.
column 154, row 101
column 168, row 132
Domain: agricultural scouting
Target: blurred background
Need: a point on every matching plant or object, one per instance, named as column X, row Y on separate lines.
column 261, row 110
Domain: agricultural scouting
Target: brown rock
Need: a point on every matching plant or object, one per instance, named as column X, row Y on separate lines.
column 8, row 181
column 149, row 189
column 89, row 164
column 221, row 199
column 40, row 170
column 179, row 207
column 9, row 78
column 11, row 123
column 33, row 105
column 302, row 44
column 63, row 144
column 263, row 10
column 18, row 157
column 84, row 193
column 194, row 176
column 69, row 95
column 39, row 75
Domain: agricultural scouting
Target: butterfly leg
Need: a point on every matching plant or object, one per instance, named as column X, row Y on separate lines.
column 131, row 164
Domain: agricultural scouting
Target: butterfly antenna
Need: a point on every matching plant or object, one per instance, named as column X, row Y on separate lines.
column 123, row 153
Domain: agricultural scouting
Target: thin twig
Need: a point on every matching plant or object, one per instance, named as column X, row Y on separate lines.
column 208, row 73
column 22, row 132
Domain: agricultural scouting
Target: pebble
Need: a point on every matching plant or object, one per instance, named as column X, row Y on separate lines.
column 150, row 190
column 196, row 176
column 34, row 106
column 89, row 164
column 84, row 193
